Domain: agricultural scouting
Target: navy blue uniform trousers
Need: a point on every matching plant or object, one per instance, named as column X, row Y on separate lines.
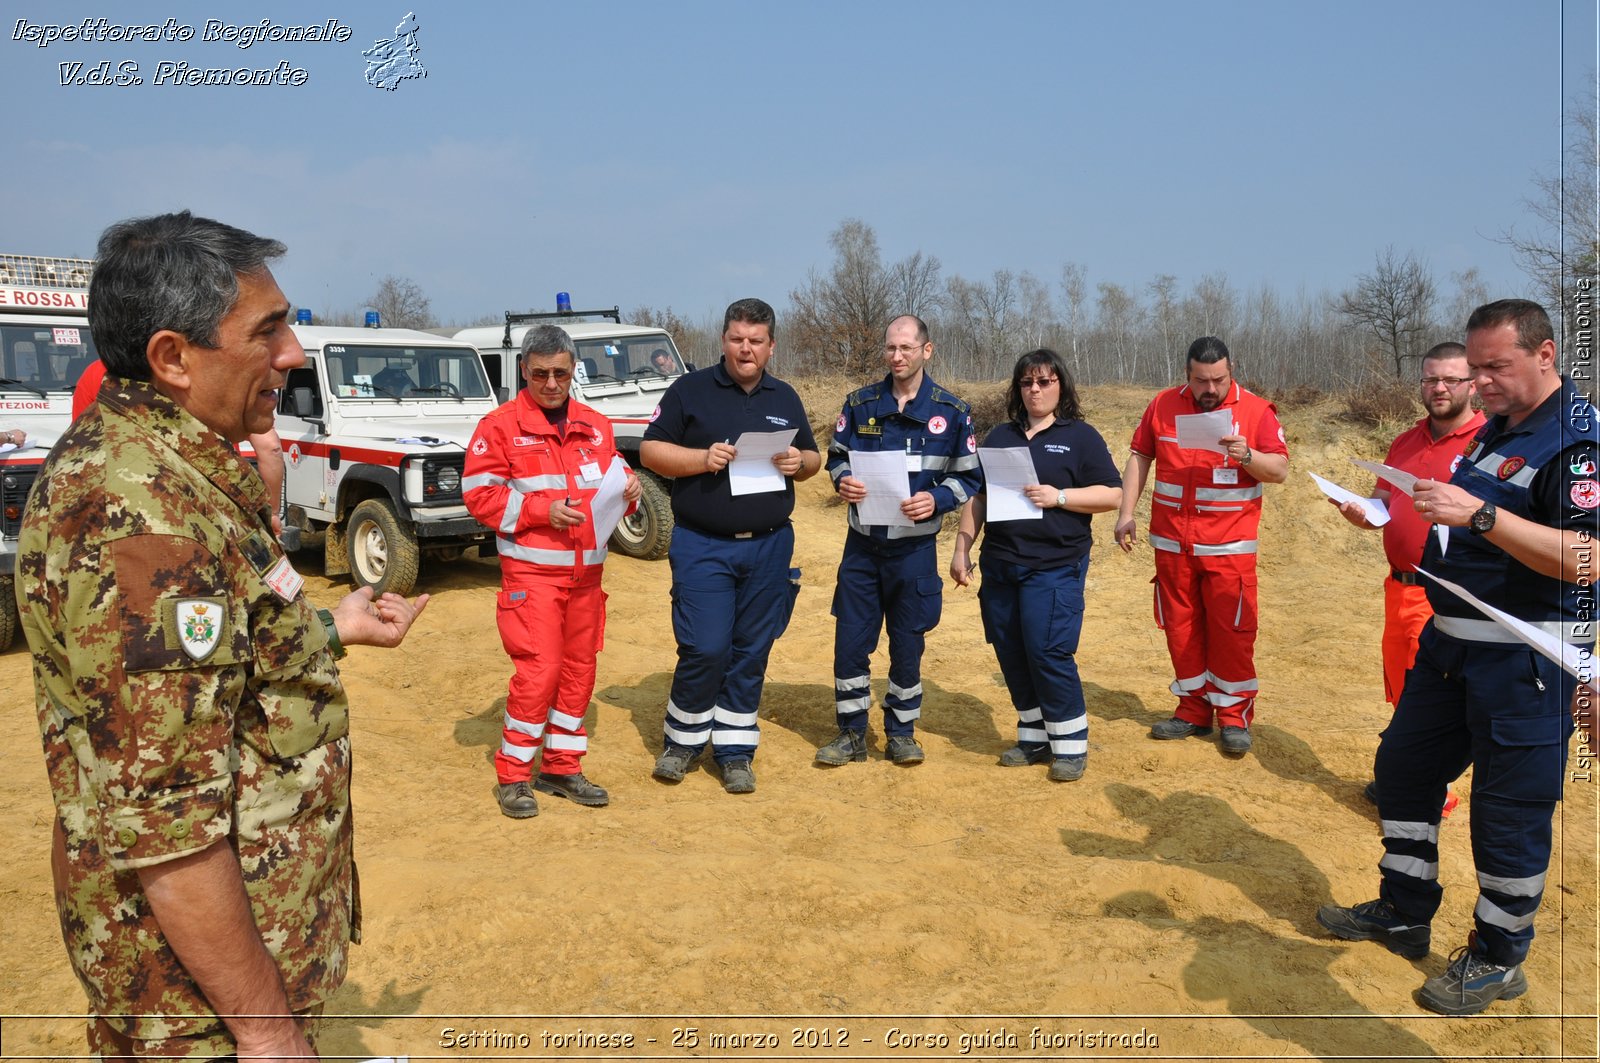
column 898, row 582
column 1033, row 618
column 1502, row 709
column 731, row 599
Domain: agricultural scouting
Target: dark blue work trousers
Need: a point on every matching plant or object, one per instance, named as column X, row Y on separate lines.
column 1501, row 708
column 731, row 599
column 897, row 582
column 1033, row 618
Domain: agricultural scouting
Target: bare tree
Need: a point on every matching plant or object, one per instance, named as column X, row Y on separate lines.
column 1563, row 247
column 840, row 318
column 914, row 285
column 1163, row 290
column 1394, row 305
column 1118, row 317
column 1209, row 310
column 1072, row 281
column 400, row 303
column 1471, row 293
column 1036, row 310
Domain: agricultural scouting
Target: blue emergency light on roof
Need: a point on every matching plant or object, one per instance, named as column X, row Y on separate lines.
column 372, row 319
column 563, row 302
column 302, row 316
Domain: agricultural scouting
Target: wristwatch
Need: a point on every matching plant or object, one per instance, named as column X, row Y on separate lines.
column 1061, row 500
column 1249, row 456
column 1482, row 520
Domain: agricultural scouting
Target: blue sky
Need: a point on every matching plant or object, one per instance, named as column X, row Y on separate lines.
column 692, row 152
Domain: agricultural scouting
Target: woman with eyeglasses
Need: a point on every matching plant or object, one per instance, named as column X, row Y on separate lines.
column 1031, row 594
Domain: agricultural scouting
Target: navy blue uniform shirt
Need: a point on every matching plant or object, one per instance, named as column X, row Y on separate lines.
column 1066, row 455
column 935, row 426
column 706, row 407
column 1544, row 470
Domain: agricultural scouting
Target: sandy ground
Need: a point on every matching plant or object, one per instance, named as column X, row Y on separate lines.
column 874, row 911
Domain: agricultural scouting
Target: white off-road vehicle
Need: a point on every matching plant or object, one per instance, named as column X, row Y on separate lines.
column 44, row 347
column 375, row 428
column 622, row 371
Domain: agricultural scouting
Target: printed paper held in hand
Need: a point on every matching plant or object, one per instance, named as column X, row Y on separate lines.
column 888, row 484
column 6, row 448
column 1372, row 508
column 752, row 471
column 1406, row 483
column 1577, row 661
column 1402, row 480
column 607, row 506
column 1006, row 471
column 1200, row 431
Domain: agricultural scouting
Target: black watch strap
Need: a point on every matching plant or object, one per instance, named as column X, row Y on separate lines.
column 1483, row 519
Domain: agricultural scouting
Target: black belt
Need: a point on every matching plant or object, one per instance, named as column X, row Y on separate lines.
column 1410, row 579
column 734, row 535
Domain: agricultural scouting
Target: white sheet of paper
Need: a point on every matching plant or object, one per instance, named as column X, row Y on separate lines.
column 888, row 485
column 1006, row 471
column 30, row 441
column 1401, row 479
column 1200, row 431
column 752, row 471
column 1407, row 484
column 1376, row 513
column 607, row 506
column 1571, row 658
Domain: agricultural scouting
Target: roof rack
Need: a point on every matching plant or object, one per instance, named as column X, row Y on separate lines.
column 41, row 271
column 513, row 318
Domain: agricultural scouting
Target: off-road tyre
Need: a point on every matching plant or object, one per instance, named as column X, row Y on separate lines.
column 647, row 532
column 383, row 552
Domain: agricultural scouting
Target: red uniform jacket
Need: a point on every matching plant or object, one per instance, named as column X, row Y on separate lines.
column 1201, row 499
column 518, row 464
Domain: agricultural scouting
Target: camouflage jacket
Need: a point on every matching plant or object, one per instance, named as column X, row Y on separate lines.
column 181, row 701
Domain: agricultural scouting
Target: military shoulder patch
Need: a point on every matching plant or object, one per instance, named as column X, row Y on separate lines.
column 199, row 625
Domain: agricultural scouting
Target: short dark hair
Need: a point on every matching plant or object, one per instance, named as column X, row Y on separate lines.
column 1207, row 350
column 167, row 272
column 1067, row 408
column 547, row 339
column 1447, row 349
column 751, row 312
column 922, row 327
column 1533, row 324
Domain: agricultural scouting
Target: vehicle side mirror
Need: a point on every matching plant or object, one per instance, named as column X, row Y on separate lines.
column 303, row 403
column 503, row 394
column 688, row 367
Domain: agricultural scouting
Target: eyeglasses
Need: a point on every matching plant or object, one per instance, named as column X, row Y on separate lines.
column 1451, row 382
column 560, row 376
column 908, row 350
column 1037, row 383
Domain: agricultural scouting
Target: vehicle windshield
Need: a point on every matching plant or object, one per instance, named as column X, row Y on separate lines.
column 44, row 357
column 616, row 358
column 404, row 374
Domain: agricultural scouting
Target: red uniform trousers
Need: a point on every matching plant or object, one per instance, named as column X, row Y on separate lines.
column 552, row 628
column 1206, row 605
column 1405, row 613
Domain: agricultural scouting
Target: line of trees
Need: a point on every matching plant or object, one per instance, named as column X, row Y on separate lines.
column 1112, row 332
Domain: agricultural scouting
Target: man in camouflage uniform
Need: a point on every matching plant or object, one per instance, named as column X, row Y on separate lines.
column 195, row 730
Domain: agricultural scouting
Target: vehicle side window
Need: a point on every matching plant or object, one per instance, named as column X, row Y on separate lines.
column 303, row 377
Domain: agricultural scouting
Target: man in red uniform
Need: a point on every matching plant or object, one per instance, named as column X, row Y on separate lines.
column 1206, row 506
column 1431, row 449
column 533, row 468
